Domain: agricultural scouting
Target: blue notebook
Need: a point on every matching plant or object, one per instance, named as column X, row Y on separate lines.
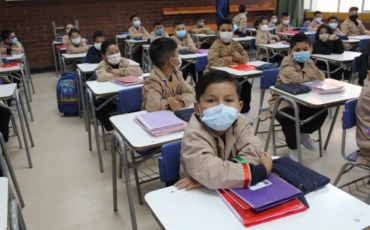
column 268, row 193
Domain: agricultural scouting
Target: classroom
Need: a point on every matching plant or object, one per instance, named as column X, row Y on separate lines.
column 157, row 114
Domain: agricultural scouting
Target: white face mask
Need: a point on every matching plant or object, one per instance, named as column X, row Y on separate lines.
column 286, row 22
column 97, row 46
column 114, row 59
column 76, row 41
column 226, row 37
column 324, row 37
column 274, row 21
column 264, row 28
column 177, row 67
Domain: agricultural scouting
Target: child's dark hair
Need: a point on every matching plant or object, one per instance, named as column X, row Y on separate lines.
column 215, row 77
column 333, row 17
column 73, row 30
column 198, row 18
column 285, row 14
column 242, row 8
column 98, row 34
column 105, row 45
column 132, row 16
column 157, row 22
column 328, row 29
column 5, row 34
column 224, row 21
column 300, row 37
column 317, row 12
column 353, row 8
column 258, row 21
column 176, row 23
column 161, row 50
column 274, row 14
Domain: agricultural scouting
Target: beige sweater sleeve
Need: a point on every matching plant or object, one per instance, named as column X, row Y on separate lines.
column 153, row 92
column 82, row 48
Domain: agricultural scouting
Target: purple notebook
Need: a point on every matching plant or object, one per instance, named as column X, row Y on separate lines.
column 156, row 121
column 268, row 193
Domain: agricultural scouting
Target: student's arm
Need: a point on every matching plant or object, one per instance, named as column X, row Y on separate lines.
column 312, row 72
column 362, row 29
column 133, row 33
column 186, row 92
column 92, row 56
column 180, row 47
column 240, row 55
column 134, row 70
column 16, row 48
column 242, row 24
column 290, row 74
column 196, row 30
column 154, row 99
column 144, row 32
column 344, row 27
column 338, row 47
column 71, row 49
column 152, row 36
column 260, row 38
column 214, row 56
column 312, row 27
column 102, row 74
column 320, row 47
column 279, row 29
column 190, row 43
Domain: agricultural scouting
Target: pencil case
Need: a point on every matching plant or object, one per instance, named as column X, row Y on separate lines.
column 294, row 89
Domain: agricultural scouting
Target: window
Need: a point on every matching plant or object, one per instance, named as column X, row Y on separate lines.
column 345, row 5
column 366, row 6
column 336, row 5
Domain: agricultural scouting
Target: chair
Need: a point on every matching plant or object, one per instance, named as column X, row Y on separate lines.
column 200, row 65
column 253, row 49
column 348, row 122
column 169, row 162
column 268, row 79
column 303, row 29
column 354, row 71
column 312, row 38
column 84, row 59
column 362, row 44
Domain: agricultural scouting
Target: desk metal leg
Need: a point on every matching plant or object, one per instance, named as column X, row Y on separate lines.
column 27, row 66
column 331, row 127
column 27, row 94
column 59, row 56
column 55, row 59
column 83, row 99
column 79, row 95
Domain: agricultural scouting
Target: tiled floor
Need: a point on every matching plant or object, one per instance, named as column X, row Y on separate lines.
column 65, row 189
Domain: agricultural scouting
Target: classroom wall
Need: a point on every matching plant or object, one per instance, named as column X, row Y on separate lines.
column 31, row 20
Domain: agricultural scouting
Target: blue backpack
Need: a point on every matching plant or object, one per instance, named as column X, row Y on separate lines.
column 67, row 93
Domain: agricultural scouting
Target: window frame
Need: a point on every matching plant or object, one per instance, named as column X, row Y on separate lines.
column 339, row 1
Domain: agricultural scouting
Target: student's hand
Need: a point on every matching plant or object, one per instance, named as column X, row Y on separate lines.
column 193, row 49
column 17, row 49
column 237, row 57
column 175, row 105
column 266, row 160
column 228, row 60
column 333, row 37
column 272, row 41
column 116, row 71
column 188, row 183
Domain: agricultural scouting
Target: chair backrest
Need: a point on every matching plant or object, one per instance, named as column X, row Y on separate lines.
column 312, row 38
column 349, row 114
column 248, row 26
column 362, row 44
column 303, row 29
column 354, row 65
column 268, row 78
column 201, row 63
column 169, row 162
column 252, row 44
column 129, row 100
column 84, row 59
column 1, row 81
column 273, row 31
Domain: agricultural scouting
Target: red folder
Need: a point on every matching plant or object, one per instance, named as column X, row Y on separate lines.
column 61, row 47
column 10, row 64
column 242, row 67
column 292, row 32
column 128, row 80
column 248, row 217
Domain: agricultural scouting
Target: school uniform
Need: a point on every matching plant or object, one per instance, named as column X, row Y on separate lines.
column 153, row 35
column 363, row 124
column 294, row 72
column 314, row 25
column 272, row 25
column 75, row 49
column 158, row 90
column 65, row 39
column 260, row 37
column 283, row 28
column 104, row 73
column 186, row 43
column 138, row 32
column 199, row 30
column 9, row 47
column 349, row 28
column 337, row 31
column 207, row 157
column 93, row 55
column 241, row 21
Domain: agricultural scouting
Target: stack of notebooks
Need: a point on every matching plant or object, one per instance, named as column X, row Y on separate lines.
column 325, row 87
column 128, row 80
column 268, row 200
column 160, row 123
column 242, row 67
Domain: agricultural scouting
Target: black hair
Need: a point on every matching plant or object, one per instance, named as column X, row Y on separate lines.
column 161, row 49
column 176, row 23
column 105, row 45
column 274, row 14
column 300, row 37
column 73, row 30
column 353, row 8
column 242, row 8
column 333, row 17
column 317, row 12
column 132, row 16
column 5, row 34
column 157, row 22
column 215, row 77
column 98, row 34
column 224, row 21
column 328, row 29
column 285, row 14
column 198, row 18
column 258, row 20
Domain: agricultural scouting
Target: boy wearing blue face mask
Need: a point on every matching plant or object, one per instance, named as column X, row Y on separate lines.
column 199, row 27
column 10, row 43
column 297, row 67
column 94, row 53
column 158, row 31
column 136, row 30
column 219, row 149
column 316, row 22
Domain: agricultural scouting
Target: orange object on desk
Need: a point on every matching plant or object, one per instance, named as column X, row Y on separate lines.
column 242, row 67
column 11, row 64
column 61, row 47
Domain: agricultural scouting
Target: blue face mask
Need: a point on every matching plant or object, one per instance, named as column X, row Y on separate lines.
column 333, row 25
column 15, row 40
column 137, row 23
column 181, row 33
column 301, row 57
column 159, row 31
column 318, row 20
column 220, row 117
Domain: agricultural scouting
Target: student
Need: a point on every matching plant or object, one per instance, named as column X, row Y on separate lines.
column 94, row 53
column 284, row 25
column 264, row 36
column 326, row 42
column 219, row 149
column 5, row 116
column 112, row 66
column 165, row 87
column 199, row 27
column 297, row 67
column 241, row 19
column 224, row 52
column 137, row 32
column 77, row 45
column 363, row 123
column 65, row 38
column 158, row 31
column 351, row 26
column 316, row 22
column 333, row 23
column 274, row 21
column 10, row 44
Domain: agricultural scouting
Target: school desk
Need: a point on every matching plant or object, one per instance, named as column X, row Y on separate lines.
column 314, row 100
column 130, row 135
column 67, row 56
column 202, row 208
column 202, row 38
column 120, row 38
column 359, row 37
column 341, row 60
column 276, row 49
column 96, row 89
column 56, row 57
column 253, row 30
column 307, row 33
column 131, row 45
column 3, row 203
column 191, row 59
column 244, row 39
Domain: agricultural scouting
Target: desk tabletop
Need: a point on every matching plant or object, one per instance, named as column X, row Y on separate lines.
column 7, row 90
column 57, row 42
column 239, row 73
column 351, row 41
column 244, row 39
column 192, row 56
column 122, row 36
column 4, row 203
column 313, row 99
column 359, row 37
column 135, row 41
column 138, row 138
column 347, row 56
column 15, row 57
column 73, row 56
column 330, row 208
column 87, row 67
column 277, row 45
column 204, row 35
column 254, row 30
column 10, row 69
column 146, row 46
column 291, row 35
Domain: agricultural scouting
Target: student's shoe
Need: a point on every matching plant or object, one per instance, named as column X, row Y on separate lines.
column 248, row 117
column 293, row 154
column 307, row 142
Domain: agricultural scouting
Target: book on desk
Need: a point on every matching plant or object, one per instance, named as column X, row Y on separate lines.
column 128, row 80
column 242, row 67
column 325, row 87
